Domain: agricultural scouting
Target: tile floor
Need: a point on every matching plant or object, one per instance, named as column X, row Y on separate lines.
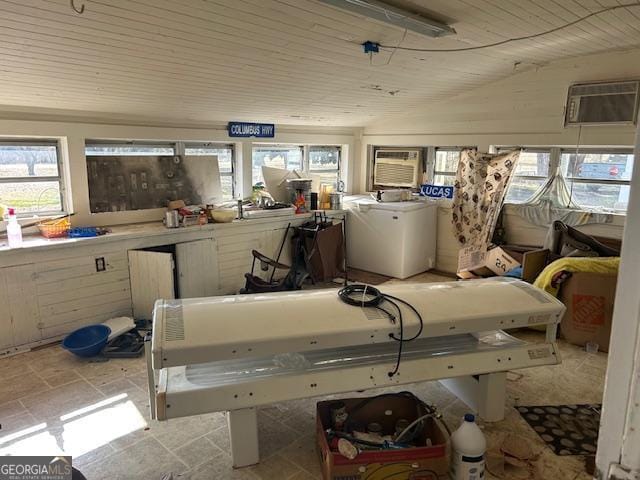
column 51, row 402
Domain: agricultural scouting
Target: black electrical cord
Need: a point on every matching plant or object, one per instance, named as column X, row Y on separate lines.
column 516, row 39
column 366, row 296
column 369, row 297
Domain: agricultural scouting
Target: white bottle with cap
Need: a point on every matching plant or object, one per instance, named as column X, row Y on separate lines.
column 469, row 446
column 14, row 230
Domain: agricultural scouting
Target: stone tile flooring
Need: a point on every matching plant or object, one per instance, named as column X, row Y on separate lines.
column 52, row 402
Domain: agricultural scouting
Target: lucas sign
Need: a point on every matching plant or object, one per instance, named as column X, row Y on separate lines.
column 436, row 191
column 245, row 129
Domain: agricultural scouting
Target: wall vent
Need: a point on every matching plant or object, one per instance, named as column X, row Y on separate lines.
column 174, row 322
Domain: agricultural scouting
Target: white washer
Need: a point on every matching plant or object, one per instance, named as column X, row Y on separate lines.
column 397, row 239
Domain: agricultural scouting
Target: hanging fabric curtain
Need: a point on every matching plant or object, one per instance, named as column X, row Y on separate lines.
column 553, row 201
column 481, row 184
column 553, row 193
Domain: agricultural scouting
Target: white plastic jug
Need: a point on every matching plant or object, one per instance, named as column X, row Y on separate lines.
column 469, row 446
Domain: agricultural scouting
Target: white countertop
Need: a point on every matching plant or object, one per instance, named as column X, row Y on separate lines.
column 36, row 242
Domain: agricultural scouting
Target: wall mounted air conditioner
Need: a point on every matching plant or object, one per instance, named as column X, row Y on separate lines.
column 603, row 103
column 396, row 168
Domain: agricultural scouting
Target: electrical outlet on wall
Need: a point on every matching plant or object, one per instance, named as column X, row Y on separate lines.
column 101, row 265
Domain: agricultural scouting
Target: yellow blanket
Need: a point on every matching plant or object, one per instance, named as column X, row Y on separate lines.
column 546, row 282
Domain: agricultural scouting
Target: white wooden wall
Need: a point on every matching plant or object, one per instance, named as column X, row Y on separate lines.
column 234, row 254
column 447, row 247
column 47, row 299
column 618, row 455
column 520, row 232
column 58, row 290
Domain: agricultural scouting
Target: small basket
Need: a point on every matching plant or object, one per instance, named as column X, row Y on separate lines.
column 55, row 228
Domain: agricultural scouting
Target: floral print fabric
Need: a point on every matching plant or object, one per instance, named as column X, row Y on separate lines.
column 481, row 184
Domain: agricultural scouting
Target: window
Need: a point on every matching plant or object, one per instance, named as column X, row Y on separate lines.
column 446, row 166
column 325, row 162
column 30, row 177
column 321, row 160
column 277, row 156
column 226, row 163
column 532, row 171
column 140, row 175
column 598, row 179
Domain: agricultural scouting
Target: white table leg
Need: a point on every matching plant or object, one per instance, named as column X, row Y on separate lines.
column 492, row 396
column 484, row 394
column 243, row 432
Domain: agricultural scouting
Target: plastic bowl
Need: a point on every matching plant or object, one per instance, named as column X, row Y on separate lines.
column 222, row 216
column 87, row 341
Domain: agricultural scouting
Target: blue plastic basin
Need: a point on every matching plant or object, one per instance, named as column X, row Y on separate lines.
column 87, row 341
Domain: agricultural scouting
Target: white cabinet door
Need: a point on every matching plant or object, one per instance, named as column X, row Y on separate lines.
column 19, row 316
column 151, row 275
column 197, row 264
column 234, row 259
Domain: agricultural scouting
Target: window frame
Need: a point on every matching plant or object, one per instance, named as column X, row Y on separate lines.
column 591, row 181
column 60, row 178
column 305, row 150
column 307, row 161
column 179, row 148
column 555, row 160
column 444, row 173
column 605, row 151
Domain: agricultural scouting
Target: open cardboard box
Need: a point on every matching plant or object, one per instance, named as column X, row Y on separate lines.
column 474, row 262
column 417, row 463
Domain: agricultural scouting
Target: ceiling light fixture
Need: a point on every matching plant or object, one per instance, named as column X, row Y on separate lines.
column 386, row 13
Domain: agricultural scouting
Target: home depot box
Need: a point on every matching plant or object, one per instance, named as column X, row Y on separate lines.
column 418, row 463
column 478, row 262
column 589, row 299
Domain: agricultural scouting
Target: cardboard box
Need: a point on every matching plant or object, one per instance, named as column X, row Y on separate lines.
column 474, row 262
column 418, row 463
column 533, row 263
column 589, row 299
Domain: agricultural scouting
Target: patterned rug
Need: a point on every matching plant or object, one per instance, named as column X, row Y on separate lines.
column 567, row 429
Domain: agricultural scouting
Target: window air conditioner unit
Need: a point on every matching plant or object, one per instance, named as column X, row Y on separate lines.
column 396, row 168
column 602, row 103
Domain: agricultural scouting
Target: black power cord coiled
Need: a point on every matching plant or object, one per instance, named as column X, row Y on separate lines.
column 365, row 296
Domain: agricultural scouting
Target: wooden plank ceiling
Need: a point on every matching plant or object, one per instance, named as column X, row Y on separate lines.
column 286, row 61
